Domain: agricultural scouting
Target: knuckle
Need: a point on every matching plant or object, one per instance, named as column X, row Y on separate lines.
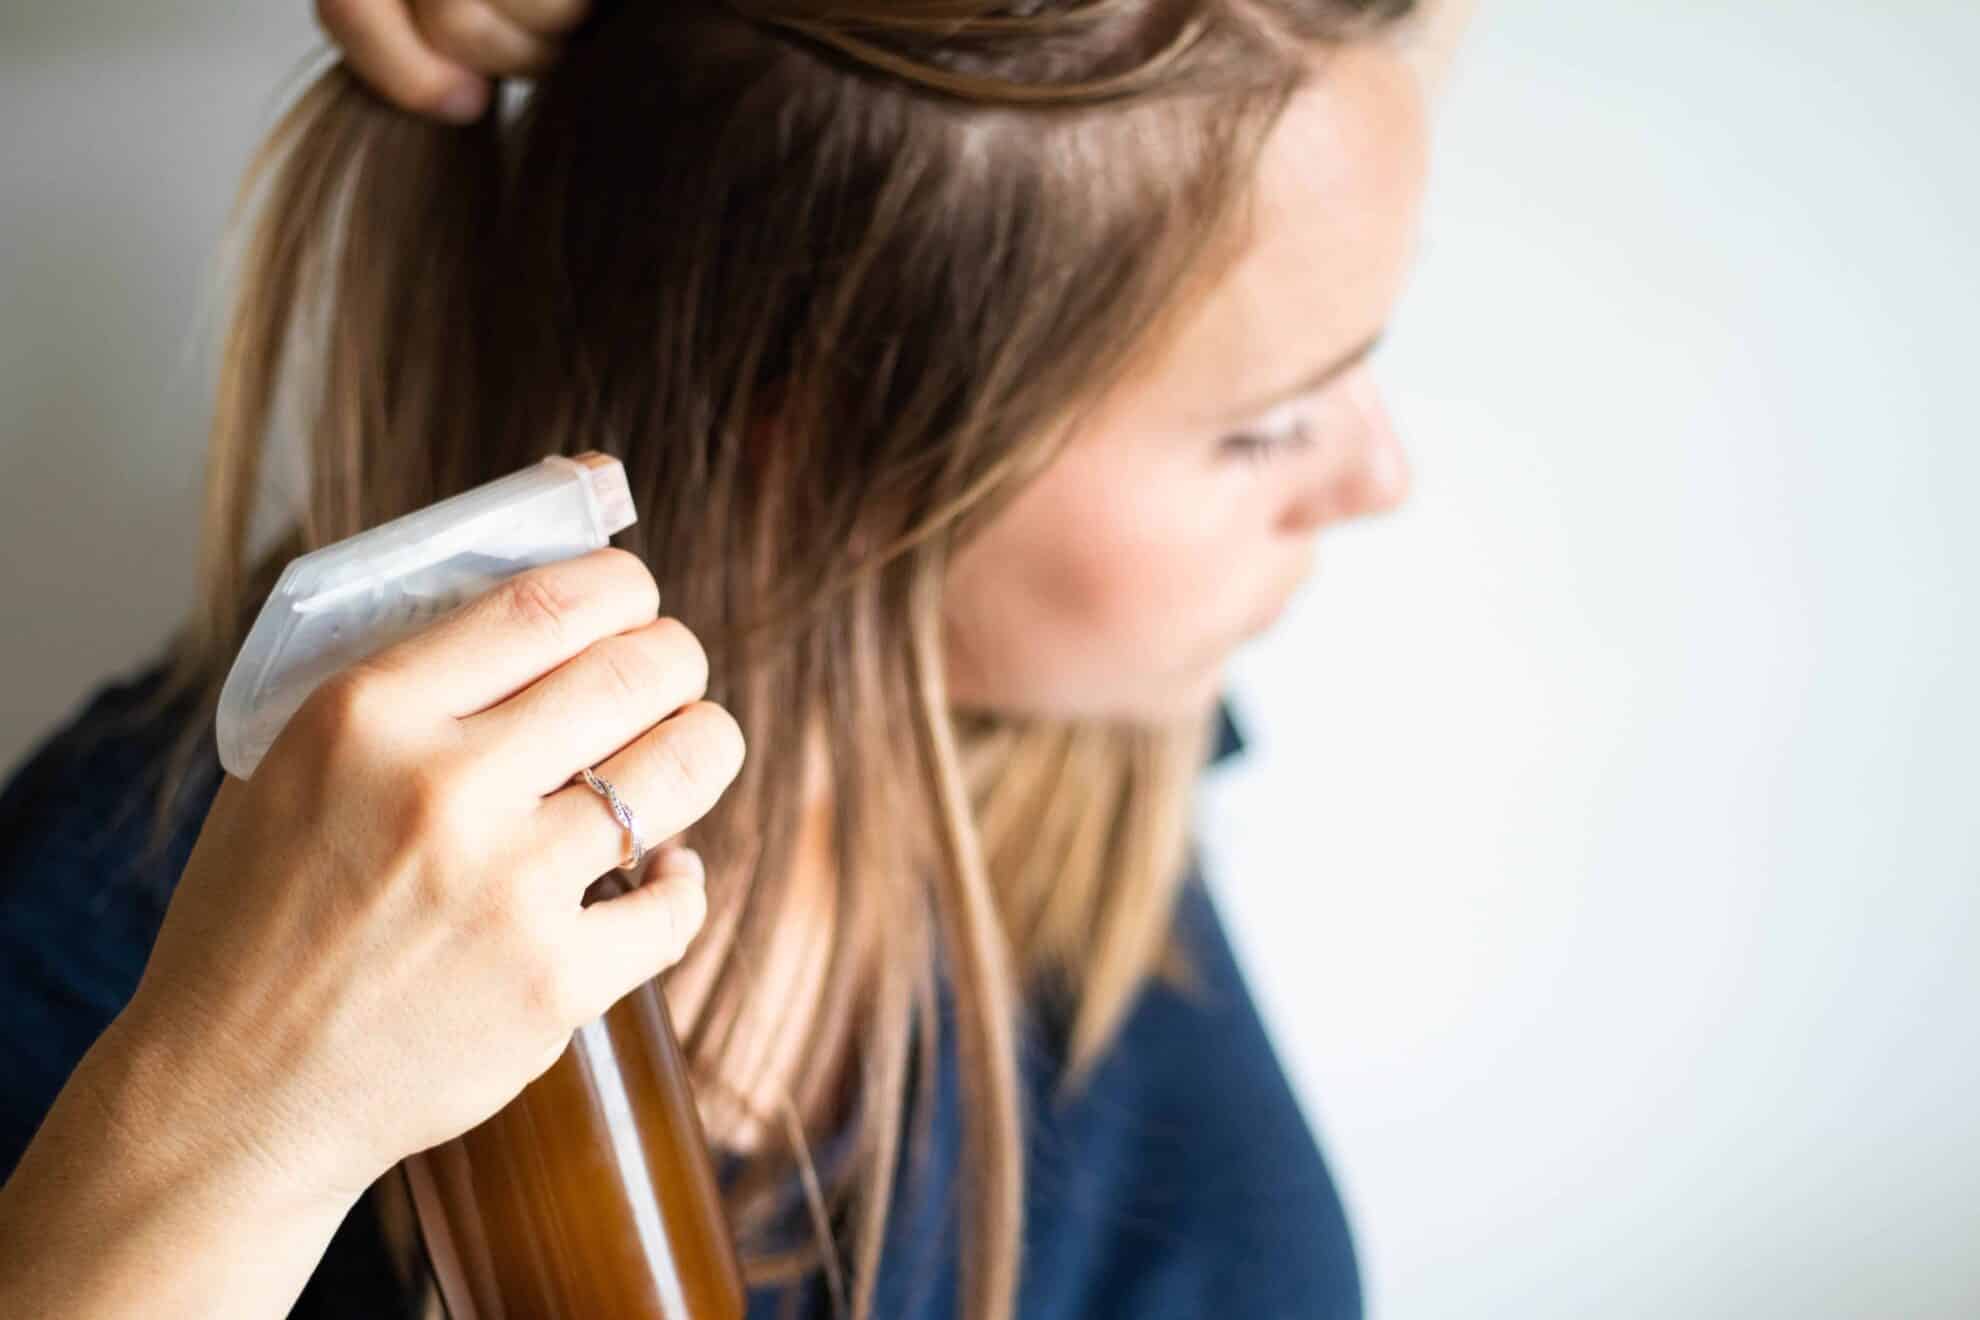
column 701, row 746
column 348, row 707
column 538, row 602
column 540, row 989
column 434, row 893
column 548, row 993
column 672, row 758
column 627, row 666
column 433, row 807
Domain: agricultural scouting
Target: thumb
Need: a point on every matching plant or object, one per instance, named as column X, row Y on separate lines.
column 631, row 939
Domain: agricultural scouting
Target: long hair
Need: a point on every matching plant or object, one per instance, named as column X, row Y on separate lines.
column 833, row 281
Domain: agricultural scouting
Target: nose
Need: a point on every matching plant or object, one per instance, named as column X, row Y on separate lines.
column 1360, row 469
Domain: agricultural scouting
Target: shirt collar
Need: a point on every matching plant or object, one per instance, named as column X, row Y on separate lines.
column 1229, row 741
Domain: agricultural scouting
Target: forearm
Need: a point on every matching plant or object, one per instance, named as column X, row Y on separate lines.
column 138, row 1197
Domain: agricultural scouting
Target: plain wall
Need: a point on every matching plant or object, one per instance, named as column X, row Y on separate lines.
column 1606, row 855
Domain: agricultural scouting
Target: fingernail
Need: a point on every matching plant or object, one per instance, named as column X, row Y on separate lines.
column 464, row 104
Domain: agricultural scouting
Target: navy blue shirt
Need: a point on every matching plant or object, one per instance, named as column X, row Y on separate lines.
column 1181, row 1182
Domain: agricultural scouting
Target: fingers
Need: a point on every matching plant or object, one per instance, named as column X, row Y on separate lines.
column 381, row 42
column 546, row 17
column 482, row 37
column 588, row 708
column 430, row 56
column 626, row 941
column 511, row 635
column 670, row 776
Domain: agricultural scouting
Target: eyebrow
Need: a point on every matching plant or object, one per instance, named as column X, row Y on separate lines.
column 1325, row 374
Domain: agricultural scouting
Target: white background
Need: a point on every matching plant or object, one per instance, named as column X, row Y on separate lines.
column 1606, row 858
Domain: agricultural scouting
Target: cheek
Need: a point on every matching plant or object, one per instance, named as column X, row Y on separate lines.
column 1093, row 591
column 1146, row 573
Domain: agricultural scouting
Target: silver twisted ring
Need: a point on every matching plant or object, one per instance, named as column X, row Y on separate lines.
column 622, row 810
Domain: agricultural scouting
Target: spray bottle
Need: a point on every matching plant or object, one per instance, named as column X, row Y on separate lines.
column 591, row 1194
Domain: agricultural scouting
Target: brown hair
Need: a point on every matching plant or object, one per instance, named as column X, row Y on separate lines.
column 833, row 280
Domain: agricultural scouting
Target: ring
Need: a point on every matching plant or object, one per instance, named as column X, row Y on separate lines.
column 621, row 809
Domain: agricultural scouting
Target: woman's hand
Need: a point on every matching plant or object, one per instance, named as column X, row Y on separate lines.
column 379, row 939
column 434, row 57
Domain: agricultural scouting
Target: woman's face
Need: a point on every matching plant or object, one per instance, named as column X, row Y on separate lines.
column 1177, row 522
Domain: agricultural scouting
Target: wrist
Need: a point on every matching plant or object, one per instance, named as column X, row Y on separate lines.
column 136, row 1199
column 173, row 1115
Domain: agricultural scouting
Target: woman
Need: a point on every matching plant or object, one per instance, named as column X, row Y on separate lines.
column 984, row 377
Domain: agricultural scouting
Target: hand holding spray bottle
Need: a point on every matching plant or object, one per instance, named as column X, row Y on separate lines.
column 591, row 1194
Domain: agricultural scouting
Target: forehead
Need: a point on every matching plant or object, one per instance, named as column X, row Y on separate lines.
column 1331, row 230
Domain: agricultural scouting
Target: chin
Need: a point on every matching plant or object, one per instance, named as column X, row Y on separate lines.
column 1120, row 695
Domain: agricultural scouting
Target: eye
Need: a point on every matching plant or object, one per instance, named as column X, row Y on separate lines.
column 1268, row 442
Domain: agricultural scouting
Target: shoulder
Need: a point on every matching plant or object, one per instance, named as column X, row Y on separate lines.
column 82, row 889
column 1184, row 1178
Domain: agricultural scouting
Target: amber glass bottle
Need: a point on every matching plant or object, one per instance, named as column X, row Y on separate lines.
column 591, row 1194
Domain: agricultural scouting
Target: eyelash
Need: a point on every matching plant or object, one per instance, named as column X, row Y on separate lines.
column 1264, row 446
